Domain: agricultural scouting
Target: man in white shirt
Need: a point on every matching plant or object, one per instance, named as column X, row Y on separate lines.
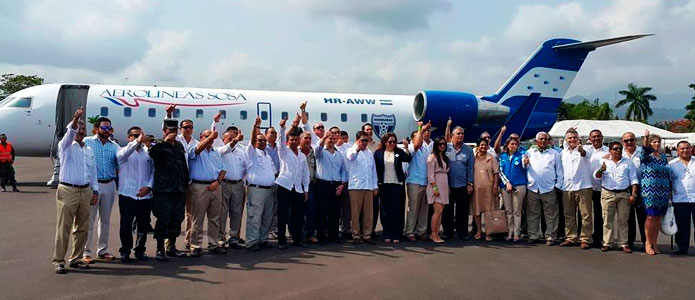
column 362, row 186
column 577, row 188
column 136, row 177
column 545, row 174
column 207, row 172
column 233, row 190
column 683, row 191
column 619, row 189
column 596, row 151
column 293, row 186
column 74, row 197
column 638, row 215
column 261, row 182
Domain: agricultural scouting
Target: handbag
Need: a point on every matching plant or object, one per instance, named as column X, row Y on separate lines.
column 496, row 222
column 668, row 222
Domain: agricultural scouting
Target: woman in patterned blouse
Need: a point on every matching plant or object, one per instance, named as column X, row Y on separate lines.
column 656, row 188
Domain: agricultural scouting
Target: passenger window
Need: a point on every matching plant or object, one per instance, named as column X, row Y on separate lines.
column 127, row 111
column 104, row 112
column 343, row 117
column 364, row 118
column 264, row 115
column 199, row 113
column 223, row 114
column 151, row 112
column 243, row 115
column 176, row 114
column 324, row 117
column 284, row 115
column 21, row 103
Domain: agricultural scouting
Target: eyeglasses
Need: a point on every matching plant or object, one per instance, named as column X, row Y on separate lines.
column 136, row 135
column 319, row 127
column 632, row 140
column 107, row 128
column 261, row 140
column 391, row 142
column 364, row 140
column 617, row 149
column 186, row 127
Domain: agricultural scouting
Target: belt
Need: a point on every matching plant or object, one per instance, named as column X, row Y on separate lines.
column 231, row 181
column 74, row 185
column 105, row 180
column 328, row 181
column 617, row 191
column 202, row 181
column 260, row 186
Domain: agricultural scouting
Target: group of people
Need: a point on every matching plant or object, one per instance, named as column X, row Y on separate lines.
column 317, row 185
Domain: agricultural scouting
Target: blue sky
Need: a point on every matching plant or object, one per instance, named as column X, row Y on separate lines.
column 375, row 46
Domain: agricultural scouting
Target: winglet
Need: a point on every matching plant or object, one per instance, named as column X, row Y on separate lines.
column 592, row 45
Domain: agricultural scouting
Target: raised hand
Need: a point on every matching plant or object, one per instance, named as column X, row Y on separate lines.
column 239, row 138
column 217, row 117
column 170, row 109
column 257, row 122
column 448, row 123
column 282, row 123
column 303, row 106
column 405, row 144
column 141, row 138
column 170, row 138
column 503, row 130
column 603, row 167
column 296, row 120
column 429, row 125
column 78, row 113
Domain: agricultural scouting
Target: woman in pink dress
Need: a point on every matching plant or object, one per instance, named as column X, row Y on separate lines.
column 438, row 185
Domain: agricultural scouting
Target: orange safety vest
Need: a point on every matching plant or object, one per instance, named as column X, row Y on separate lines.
column 6, row 153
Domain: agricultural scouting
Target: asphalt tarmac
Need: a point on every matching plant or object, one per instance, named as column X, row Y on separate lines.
column 421, row 270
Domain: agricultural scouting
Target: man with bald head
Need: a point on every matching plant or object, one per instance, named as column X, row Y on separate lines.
column 232, row 207
column 638, row 214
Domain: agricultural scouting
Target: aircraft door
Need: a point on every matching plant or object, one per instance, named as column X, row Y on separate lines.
column 70, row 98
column 264, row 110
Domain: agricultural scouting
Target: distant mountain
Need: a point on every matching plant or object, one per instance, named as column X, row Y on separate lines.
column 669, row 106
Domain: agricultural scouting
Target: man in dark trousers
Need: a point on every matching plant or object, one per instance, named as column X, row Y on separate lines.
column 6, row 160
column 169, row 189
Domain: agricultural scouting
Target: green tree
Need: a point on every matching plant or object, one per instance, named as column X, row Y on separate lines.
column 690, row 115
column 585, row 110
column 637, row 99
column 11, row 83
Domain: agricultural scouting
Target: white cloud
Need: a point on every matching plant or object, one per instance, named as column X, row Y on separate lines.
column 165, row 61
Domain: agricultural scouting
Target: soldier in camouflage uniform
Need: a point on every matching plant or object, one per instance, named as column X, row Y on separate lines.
column 169, row 189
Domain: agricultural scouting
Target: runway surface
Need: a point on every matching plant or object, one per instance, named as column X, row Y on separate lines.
column 421, row 270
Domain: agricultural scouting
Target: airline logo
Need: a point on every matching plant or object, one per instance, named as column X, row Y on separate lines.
column 383, row 123
column 133, row 98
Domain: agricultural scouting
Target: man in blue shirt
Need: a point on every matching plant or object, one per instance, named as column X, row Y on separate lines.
column 460, row 184
column 416, row 184
column 105, row 159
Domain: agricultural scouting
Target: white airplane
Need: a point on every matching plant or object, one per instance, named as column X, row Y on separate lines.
column 35, row 118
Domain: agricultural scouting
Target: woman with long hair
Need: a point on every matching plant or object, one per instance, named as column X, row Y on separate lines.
column 438, row 185
column 389, row 161
column 485, row 184
column 513, row 183
column 656, row 188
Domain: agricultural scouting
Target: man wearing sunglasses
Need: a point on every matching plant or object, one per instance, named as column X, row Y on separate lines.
column 619, row 183
column 107, row 165
column 638, row 215
column 134, row 193
column 362, row 186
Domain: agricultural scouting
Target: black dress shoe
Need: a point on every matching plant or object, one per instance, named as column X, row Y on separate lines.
column 253, row 247
column 14, row 189
column 219, row 250
column 235, row 246
column 141, row 256
column 173, row 252
column 282, row 246
column 60, row 269
column 370, row 241
column 530, row 241
column 680, row 252
column 265, row 245
column 161, row 256
column 300, row 244
column 79, row 265
column 125, row 258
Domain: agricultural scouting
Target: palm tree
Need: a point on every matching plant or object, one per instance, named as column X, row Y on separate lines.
column 638, row 100
column 691, row 110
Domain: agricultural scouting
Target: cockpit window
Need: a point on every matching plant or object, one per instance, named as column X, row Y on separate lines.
column 21, row 102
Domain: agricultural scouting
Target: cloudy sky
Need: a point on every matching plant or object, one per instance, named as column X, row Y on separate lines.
column 375, row 46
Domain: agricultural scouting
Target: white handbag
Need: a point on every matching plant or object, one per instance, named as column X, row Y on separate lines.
column 668, row 222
